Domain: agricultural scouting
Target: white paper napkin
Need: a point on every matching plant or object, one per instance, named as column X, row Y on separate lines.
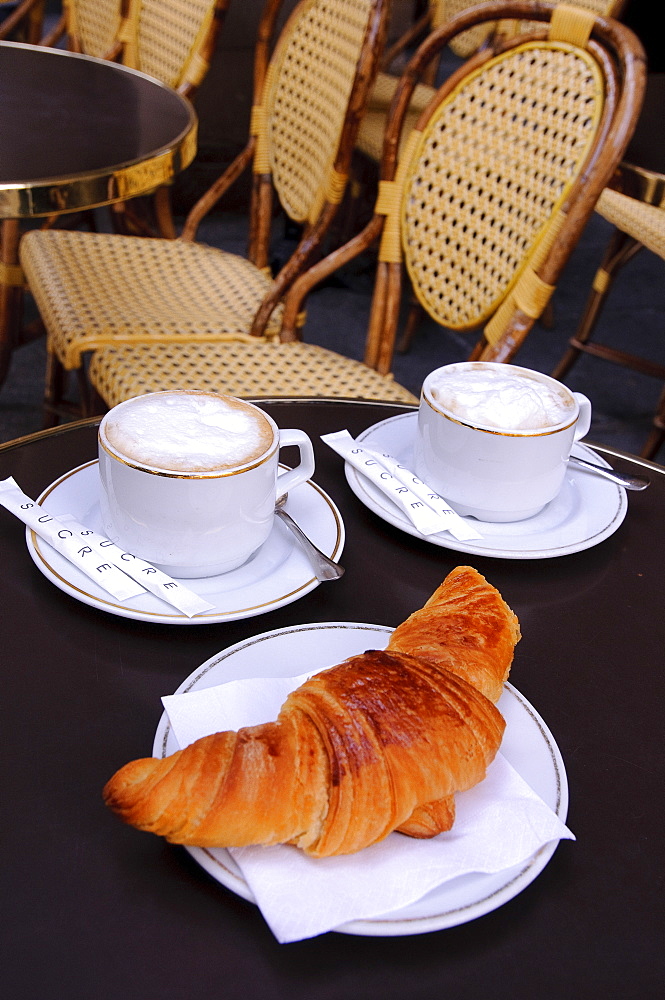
column 500, row 823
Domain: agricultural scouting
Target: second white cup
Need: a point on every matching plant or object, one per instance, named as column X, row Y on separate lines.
column 493, row 439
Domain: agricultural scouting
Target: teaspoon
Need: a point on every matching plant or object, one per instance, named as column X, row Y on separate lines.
column 324, row 568
column 628, row 482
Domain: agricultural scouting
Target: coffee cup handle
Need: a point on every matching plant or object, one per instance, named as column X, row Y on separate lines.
column 288, row 480
column 584, row 417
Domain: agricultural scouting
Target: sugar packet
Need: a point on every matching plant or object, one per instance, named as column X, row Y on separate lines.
column 425, row 508
column 119, row 573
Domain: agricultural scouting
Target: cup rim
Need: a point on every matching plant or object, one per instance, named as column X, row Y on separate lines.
column 156, row 470
column 526, row 432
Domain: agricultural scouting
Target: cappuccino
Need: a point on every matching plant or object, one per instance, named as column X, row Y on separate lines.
column 501, row 396
column 494, row 439
column 188, row 432
column 188, row 480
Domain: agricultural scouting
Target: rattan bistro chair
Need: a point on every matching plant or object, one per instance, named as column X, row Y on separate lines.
column 462, row 45
column 436, row 14
column 481, row 209
column 173, row 41
column 498, row 183
column 98, row 291
column 92, row 27
column 170, row 40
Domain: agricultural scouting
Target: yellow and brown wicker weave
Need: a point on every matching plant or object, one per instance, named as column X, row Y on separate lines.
column 496, row 183
column 97, row 290
column 251, row 370
column 92, row 27
column 171, row 40
column 463, row 45
column 643, row 222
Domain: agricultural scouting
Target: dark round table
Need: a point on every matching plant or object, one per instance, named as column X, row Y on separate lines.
column 77, row 133
column 92, row 908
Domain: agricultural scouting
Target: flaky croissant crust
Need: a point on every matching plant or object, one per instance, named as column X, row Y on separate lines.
column 378, row 743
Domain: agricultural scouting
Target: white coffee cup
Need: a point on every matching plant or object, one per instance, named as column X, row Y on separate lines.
column 189, row 479
column 494, row 439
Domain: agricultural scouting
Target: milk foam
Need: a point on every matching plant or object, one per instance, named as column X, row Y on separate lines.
column 501, row 397
column 188, row 431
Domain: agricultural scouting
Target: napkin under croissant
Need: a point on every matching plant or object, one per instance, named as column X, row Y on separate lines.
column 381, row 742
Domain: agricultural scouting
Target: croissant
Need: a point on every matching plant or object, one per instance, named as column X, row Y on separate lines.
column 381, row 742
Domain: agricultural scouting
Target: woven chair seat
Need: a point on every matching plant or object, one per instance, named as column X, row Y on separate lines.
column 94, row 289
column 293, row 369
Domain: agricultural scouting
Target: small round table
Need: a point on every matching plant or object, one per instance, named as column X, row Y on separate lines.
column 78, row 133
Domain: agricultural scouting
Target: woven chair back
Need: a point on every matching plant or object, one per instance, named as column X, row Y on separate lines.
column 493, row 166
column 172, row 40
column 308, row 90
column 470, row 41
column 502, row 171
column 93, row 25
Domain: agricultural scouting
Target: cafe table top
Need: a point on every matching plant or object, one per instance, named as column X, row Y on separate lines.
column 79, row 132
column 92, row 908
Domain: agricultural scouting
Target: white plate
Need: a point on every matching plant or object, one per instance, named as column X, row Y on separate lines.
column 276, row 575
column 587, row 510
column 527, row 744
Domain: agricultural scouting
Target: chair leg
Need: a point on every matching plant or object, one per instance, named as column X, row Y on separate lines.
column 657, row 436
column 164, row 213
column 54, row 387
column 620, row 250
column 98, row 405
column 55, row 404
column 11, row 292
column 414, row 316
column 85, row 395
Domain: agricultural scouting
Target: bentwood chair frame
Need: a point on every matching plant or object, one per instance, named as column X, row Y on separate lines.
column 26, row 20
column 315, row 209
column 461, row 46
column 531, row 284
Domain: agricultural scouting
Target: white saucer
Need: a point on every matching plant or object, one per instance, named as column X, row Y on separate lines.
column 527, row 744
column 276, row 575
column 587, row 510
